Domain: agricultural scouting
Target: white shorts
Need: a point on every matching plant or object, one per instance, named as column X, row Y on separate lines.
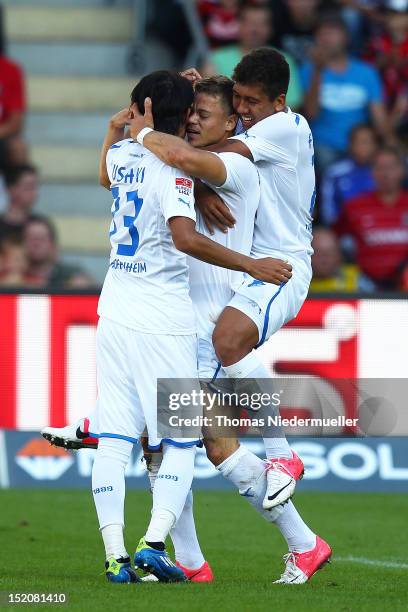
column 128, row 366
column 208, row 364
column 270, row 306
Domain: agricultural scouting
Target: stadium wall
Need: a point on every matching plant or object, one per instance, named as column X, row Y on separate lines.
column 47, row 376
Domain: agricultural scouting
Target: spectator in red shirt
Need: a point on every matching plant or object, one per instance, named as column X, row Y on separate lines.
column 389, row 52
column 378, row 222
column 12, row 106
column 12, row 102
column 220, row 21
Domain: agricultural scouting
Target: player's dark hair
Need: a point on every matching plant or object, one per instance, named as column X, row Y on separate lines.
column 265, row 67
column 220, row 86
column 14, row 173
column 171, row 95
column 52, row 231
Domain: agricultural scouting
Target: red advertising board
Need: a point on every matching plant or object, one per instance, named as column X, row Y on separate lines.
column 47, row 352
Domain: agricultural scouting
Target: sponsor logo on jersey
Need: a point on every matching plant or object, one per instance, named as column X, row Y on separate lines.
column 135, row 267
column 184, row 186
column 184, row 182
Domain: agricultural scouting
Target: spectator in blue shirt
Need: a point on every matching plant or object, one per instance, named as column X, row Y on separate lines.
column 349, row 177
column 340, row 92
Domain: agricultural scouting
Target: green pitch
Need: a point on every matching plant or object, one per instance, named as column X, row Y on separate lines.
column 50, row 543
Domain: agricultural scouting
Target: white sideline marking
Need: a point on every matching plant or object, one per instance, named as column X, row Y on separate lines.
column 374, row 562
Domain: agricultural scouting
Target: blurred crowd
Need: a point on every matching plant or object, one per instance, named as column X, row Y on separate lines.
column 29, row 255
column 349, row 77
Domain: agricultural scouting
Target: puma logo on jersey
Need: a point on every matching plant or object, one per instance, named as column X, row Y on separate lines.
column 184, row 202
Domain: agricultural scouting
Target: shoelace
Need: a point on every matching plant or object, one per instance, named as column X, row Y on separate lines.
column 290, row 562
column 276, row 465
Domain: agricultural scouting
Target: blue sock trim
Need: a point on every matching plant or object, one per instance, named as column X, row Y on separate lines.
column 178, row 444
column 266, row 320
column 111, row 435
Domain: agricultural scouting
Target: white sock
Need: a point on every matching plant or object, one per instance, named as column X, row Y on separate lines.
column 113, row 541
column 247, row 472
column 108, row 487
column 184, row 536
column 295, row 531
column 173, row 482
column 250, row 371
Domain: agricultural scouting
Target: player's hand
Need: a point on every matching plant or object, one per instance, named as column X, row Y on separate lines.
column 121, row 119
column 140, row 121
column 270, row 270
column 213, row 210
column 191, row 74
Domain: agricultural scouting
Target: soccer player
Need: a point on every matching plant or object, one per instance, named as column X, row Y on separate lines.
column 145, row 310
column 209, row 124
column 281, row 144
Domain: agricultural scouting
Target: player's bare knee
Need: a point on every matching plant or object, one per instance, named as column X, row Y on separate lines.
column 215, row 451
column 228, row 347
column 218, row 450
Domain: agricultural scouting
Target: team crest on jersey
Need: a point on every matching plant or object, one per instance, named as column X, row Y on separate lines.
column 184, row 186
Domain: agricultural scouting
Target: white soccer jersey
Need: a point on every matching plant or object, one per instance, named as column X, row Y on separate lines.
column 146, row 287
column 282, row 148
column 211, row 287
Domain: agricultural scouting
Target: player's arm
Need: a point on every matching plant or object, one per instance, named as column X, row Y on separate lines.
column 115, row 133
column 191, row 242
column 233, row 146
column 175, row 152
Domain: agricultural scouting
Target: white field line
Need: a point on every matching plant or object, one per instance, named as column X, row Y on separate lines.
column 373, row 562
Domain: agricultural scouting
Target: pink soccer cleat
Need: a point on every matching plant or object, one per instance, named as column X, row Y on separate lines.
column 202, row 574
column 281, row 476
column 300, row 567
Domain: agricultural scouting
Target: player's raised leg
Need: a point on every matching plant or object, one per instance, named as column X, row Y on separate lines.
column 74, row 436
column 235, row 336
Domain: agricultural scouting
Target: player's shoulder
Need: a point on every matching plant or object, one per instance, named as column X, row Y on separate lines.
column 122, row 144
column 239, row 162
column 123, row 148
column 169, row 177
column 283, row 121
column 243, row 170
